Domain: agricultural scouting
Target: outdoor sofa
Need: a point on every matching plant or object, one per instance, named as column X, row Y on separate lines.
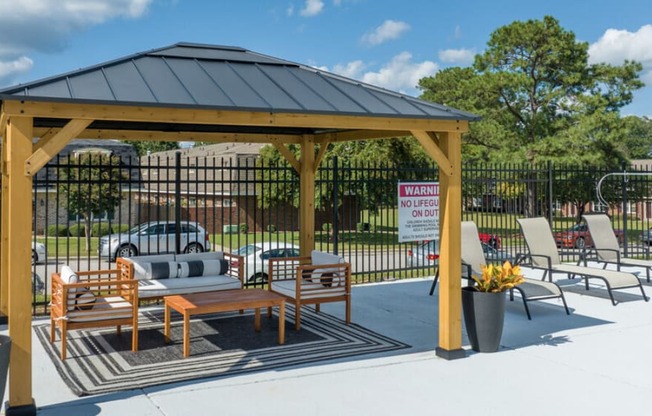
column 161, row 275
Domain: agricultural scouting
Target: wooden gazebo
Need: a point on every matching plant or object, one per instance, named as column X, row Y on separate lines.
column 191, row 92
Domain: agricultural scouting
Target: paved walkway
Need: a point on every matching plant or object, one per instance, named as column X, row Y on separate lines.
column 596, row 361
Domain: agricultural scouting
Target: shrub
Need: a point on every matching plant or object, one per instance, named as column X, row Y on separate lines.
column 363, row 226
column 244, row 228
column 271, row 228
column 100, row 229
column 327, row 226
column 59, row 230
column 122, row 228
column 77, row 230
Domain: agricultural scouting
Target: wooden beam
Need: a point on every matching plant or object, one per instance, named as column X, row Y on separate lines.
column 163, row 136
column 47, row 148
column 429, row 142
column 307, row 197
column 227, row 117
column 450, row 258
column 4, row 233
column 351, row 135
column 288, row 156
column 320, row 155
column 3, row 123
column 19, row 256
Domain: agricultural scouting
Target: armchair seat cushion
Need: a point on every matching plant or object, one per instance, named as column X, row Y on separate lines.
column 309, row 290
column 105, row 308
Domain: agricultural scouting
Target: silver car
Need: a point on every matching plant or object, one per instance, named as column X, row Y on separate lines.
column 155, row 238
column 38, row 252
column 256, row 258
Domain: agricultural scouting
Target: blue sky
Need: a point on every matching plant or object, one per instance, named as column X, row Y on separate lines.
column 389, row 43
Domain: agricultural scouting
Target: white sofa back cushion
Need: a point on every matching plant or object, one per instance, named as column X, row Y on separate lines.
column 328, row 277
column 68, row 276
column 319, row 257
column 208, row 255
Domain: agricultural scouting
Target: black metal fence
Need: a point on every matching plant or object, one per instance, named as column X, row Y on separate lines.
column 80, row 204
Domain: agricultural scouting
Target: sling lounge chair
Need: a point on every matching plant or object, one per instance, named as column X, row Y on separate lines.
column 473, row 259
column 544, row 255
column 605, row 244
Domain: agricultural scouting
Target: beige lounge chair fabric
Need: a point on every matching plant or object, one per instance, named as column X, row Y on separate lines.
column 606, row 247
column 473, row 259
column 544, row 255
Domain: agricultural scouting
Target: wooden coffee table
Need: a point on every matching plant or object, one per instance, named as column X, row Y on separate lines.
column 222, row 301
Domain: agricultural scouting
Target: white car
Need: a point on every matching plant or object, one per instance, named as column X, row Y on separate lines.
column 256, row 258
column 38, row 252
column 154, row 238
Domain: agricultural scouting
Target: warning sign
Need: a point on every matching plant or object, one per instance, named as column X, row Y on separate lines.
column 418, row 211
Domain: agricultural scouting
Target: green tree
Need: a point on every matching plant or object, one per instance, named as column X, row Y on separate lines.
column 539, row 98
column 531, row 85
column 92, row 184
column 638, row 140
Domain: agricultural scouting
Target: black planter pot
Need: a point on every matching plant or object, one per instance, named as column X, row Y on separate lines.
column 484, row 314
column 5, row 349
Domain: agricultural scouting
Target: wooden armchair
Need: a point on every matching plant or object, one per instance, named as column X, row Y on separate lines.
column 92, row 299
column 320, row 278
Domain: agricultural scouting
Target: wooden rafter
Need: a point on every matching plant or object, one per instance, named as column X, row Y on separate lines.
column 320, row 155
column 288, row 156
column 429, row 142
column 49, row 147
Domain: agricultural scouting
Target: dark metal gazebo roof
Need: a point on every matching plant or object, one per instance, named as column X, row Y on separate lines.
column 222, row 77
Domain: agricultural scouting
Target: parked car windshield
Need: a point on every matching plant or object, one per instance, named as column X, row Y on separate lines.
column 247, row 250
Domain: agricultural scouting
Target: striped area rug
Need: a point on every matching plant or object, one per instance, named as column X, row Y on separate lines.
column 221, row 345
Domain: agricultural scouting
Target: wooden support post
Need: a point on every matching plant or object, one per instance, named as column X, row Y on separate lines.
column 307, row 196
column 450, row 259
column 4, row 233
column 19, row 255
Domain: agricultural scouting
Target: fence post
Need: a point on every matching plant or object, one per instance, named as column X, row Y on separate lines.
column 625, row 209
column 336, row 223
column 177, row 202
column 550, row 193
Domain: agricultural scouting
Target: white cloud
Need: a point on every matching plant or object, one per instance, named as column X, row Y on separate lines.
column 390, row 29
column 353, row 69
column 461, row 57
column 46, row 25
column 12, row 68
column 312, row 8
column 400, row 74
column 615, row 46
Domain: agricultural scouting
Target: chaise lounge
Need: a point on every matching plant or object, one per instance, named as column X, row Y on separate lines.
column 544, row 255
column 473, row 259
column 606, row 247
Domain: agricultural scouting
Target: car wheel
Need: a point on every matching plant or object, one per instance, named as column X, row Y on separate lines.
column 126, row 250
column 258, row 278
column 580, row 243
column 194, row 248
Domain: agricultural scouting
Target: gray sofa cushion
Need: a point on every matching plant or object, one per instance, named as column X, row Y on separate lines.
column 203, row 268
